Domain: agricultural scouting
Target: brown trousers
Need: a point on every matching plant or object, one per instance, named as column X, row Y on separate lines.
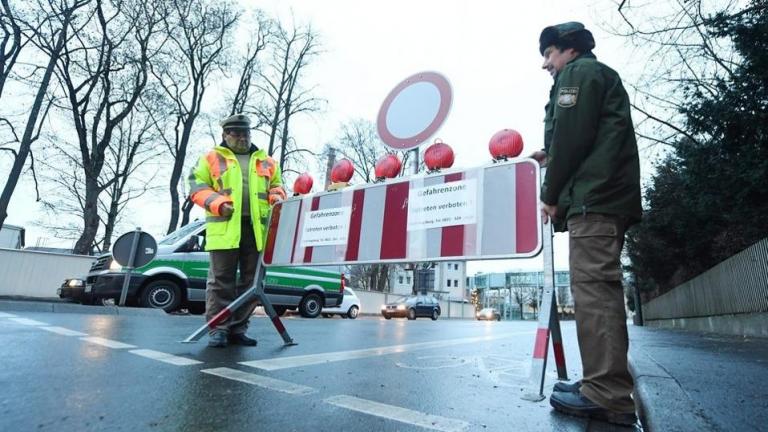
column 223, row 286
column 596, row 241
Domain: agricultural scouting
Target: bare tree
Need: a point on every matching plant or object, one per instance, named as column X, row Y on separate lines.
column 51, row 38
column 520, row 297
column 199, row 33
column 103, row 73
column 283, row 92
column 680, row 56
column 11, row 44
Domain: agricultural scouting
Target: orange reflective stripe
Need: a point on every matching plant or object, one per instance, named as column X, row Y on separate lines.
column 217, row 163
column 216, row 203
column 200, row 196
column 266, row 167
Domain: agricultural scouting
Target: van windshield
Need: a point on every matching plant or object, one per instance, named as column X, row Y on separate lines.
column 179, row 234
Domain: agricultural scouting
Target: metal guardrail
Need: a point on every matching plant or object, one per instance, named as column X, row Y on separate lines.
column 735, row 286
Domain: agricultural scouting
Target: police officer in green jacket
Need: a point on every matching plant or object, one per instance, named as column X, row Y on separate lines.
column 592, row 190
column 236, row 183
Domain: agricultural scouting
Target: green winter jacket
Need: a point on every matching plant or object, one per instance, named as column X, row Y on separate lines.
column 590, row 141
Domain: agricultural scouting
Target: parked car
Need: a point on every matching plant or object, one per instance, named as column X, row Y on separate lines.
column 412, row 307
column 349, row 307
column 488, row 314
column 176, row 279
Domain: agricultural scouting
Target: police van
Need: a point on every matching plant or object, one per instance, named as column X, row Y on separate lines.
column 176, row 279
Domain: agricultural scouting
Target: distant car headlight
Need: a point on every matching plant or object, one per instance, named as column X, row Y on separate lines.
column 75, row 283
column 400, row 307
column 114, row 265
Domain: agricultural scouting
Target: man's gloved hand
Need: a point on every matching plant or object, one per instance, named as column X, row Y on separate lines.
column 276, row 194
column 226, row 209
column 540, row 156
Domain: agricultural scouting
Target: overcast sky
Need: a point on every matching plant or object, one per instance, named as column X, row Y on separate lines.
column 488, row 50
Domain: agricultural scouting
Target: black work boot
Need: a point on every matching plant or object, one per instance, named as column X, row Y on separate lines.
column 242, row 339
column 217, row 339
column 576, row 404
column 567, row 387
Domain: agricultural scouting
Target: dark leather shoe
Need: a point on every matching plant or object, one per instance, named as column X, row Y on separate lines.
column 576, row 404
column 567, row 387
column 242, row 339
column 217, row 340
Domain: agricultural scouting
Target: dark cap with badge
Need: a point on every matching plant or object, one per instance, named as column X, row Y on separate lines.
column 567, row 35
column 237, row 121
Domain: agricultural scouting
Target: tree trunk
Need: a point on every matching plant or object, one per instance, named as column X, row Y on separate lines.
column 90, row 219
column 178, row 166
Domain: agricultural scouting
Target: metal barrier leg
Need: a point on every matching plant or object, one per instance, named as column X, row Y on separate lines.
column 557, row 341
column 257, row 290
column 539, row 361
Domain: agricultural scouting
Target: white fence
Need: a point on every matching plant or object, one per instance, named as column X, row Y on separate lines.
column 371, row 301
column 38, row 274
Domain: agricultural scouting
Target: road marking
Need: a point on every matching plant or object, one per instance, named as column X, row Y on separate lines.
column 6, row 315
column 107, row 343
column 305, row 360
column 399, row 414
column 28, row 322
column 261, row 381
column 165, row 358
column 63, row 331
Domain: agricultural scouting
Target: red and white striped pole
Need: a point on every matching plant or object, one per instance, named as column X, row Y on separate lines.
column 256, row 290
column 548, row 322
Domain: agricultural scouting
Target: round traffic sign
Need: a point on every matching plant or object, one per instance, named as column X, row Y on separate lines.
column 414, row 110
column 144, row 252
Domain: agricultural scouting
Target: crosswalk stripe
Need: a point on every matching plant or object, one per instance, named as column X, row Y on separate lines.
column 63, row 331
column 165, row 358
column 107, row 342
column 28, row 322
column 261, row 381
column 403, row 415
column 305, row 360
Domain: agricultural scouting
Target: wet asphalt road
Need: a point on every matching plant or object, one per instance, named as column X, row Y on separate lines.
column 367, row 374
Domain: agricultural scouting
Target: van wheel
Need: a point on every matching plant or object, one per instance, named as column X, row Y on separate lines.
column 411, row 314
column 353, row 311
column 311, row 305
column 161, row 294
column 435, row 315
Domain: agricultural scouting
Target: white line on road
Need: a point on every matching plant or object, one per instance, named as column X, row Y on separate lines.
column 6, row 315
column 164, row 357
column 305, row 360
column 261, row 381
column 63, row 331
column 28, row 322
column 107, row 343
column 399, row 414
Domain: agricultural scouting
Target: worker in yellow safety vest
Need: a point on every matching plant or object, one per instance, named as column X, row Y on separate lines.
column 236, row 183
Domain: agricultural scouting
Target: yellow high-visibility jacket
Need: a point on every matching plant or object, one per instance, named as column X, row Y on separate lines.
column 217, row 179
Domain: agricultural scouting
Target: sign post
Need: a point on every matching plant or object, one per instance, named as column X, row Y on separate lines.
column 133, row 249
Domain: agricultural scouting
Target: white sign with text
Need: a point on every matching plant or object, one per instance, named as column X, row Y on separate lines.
column 326, row 227
column 441, row 205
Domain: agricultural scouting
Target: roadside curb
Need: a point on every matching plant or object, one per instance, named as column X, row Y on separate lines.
column 662, row 404
column 51, row 306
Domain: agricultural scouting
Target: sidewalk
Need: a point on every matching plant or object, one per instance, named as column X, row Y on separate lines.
column 688, row 381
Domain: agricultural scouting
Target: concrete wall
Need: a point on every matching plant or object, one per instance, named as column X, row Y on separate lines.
column 38, row 274
column 371, row 301
column 731, row 297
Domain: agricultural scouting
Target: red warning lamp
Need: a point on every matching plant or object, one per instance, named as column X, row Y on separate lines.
column 438, row 156
column 506, row 143
column 342, row 171
column 303, row 184
column 388, row 166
